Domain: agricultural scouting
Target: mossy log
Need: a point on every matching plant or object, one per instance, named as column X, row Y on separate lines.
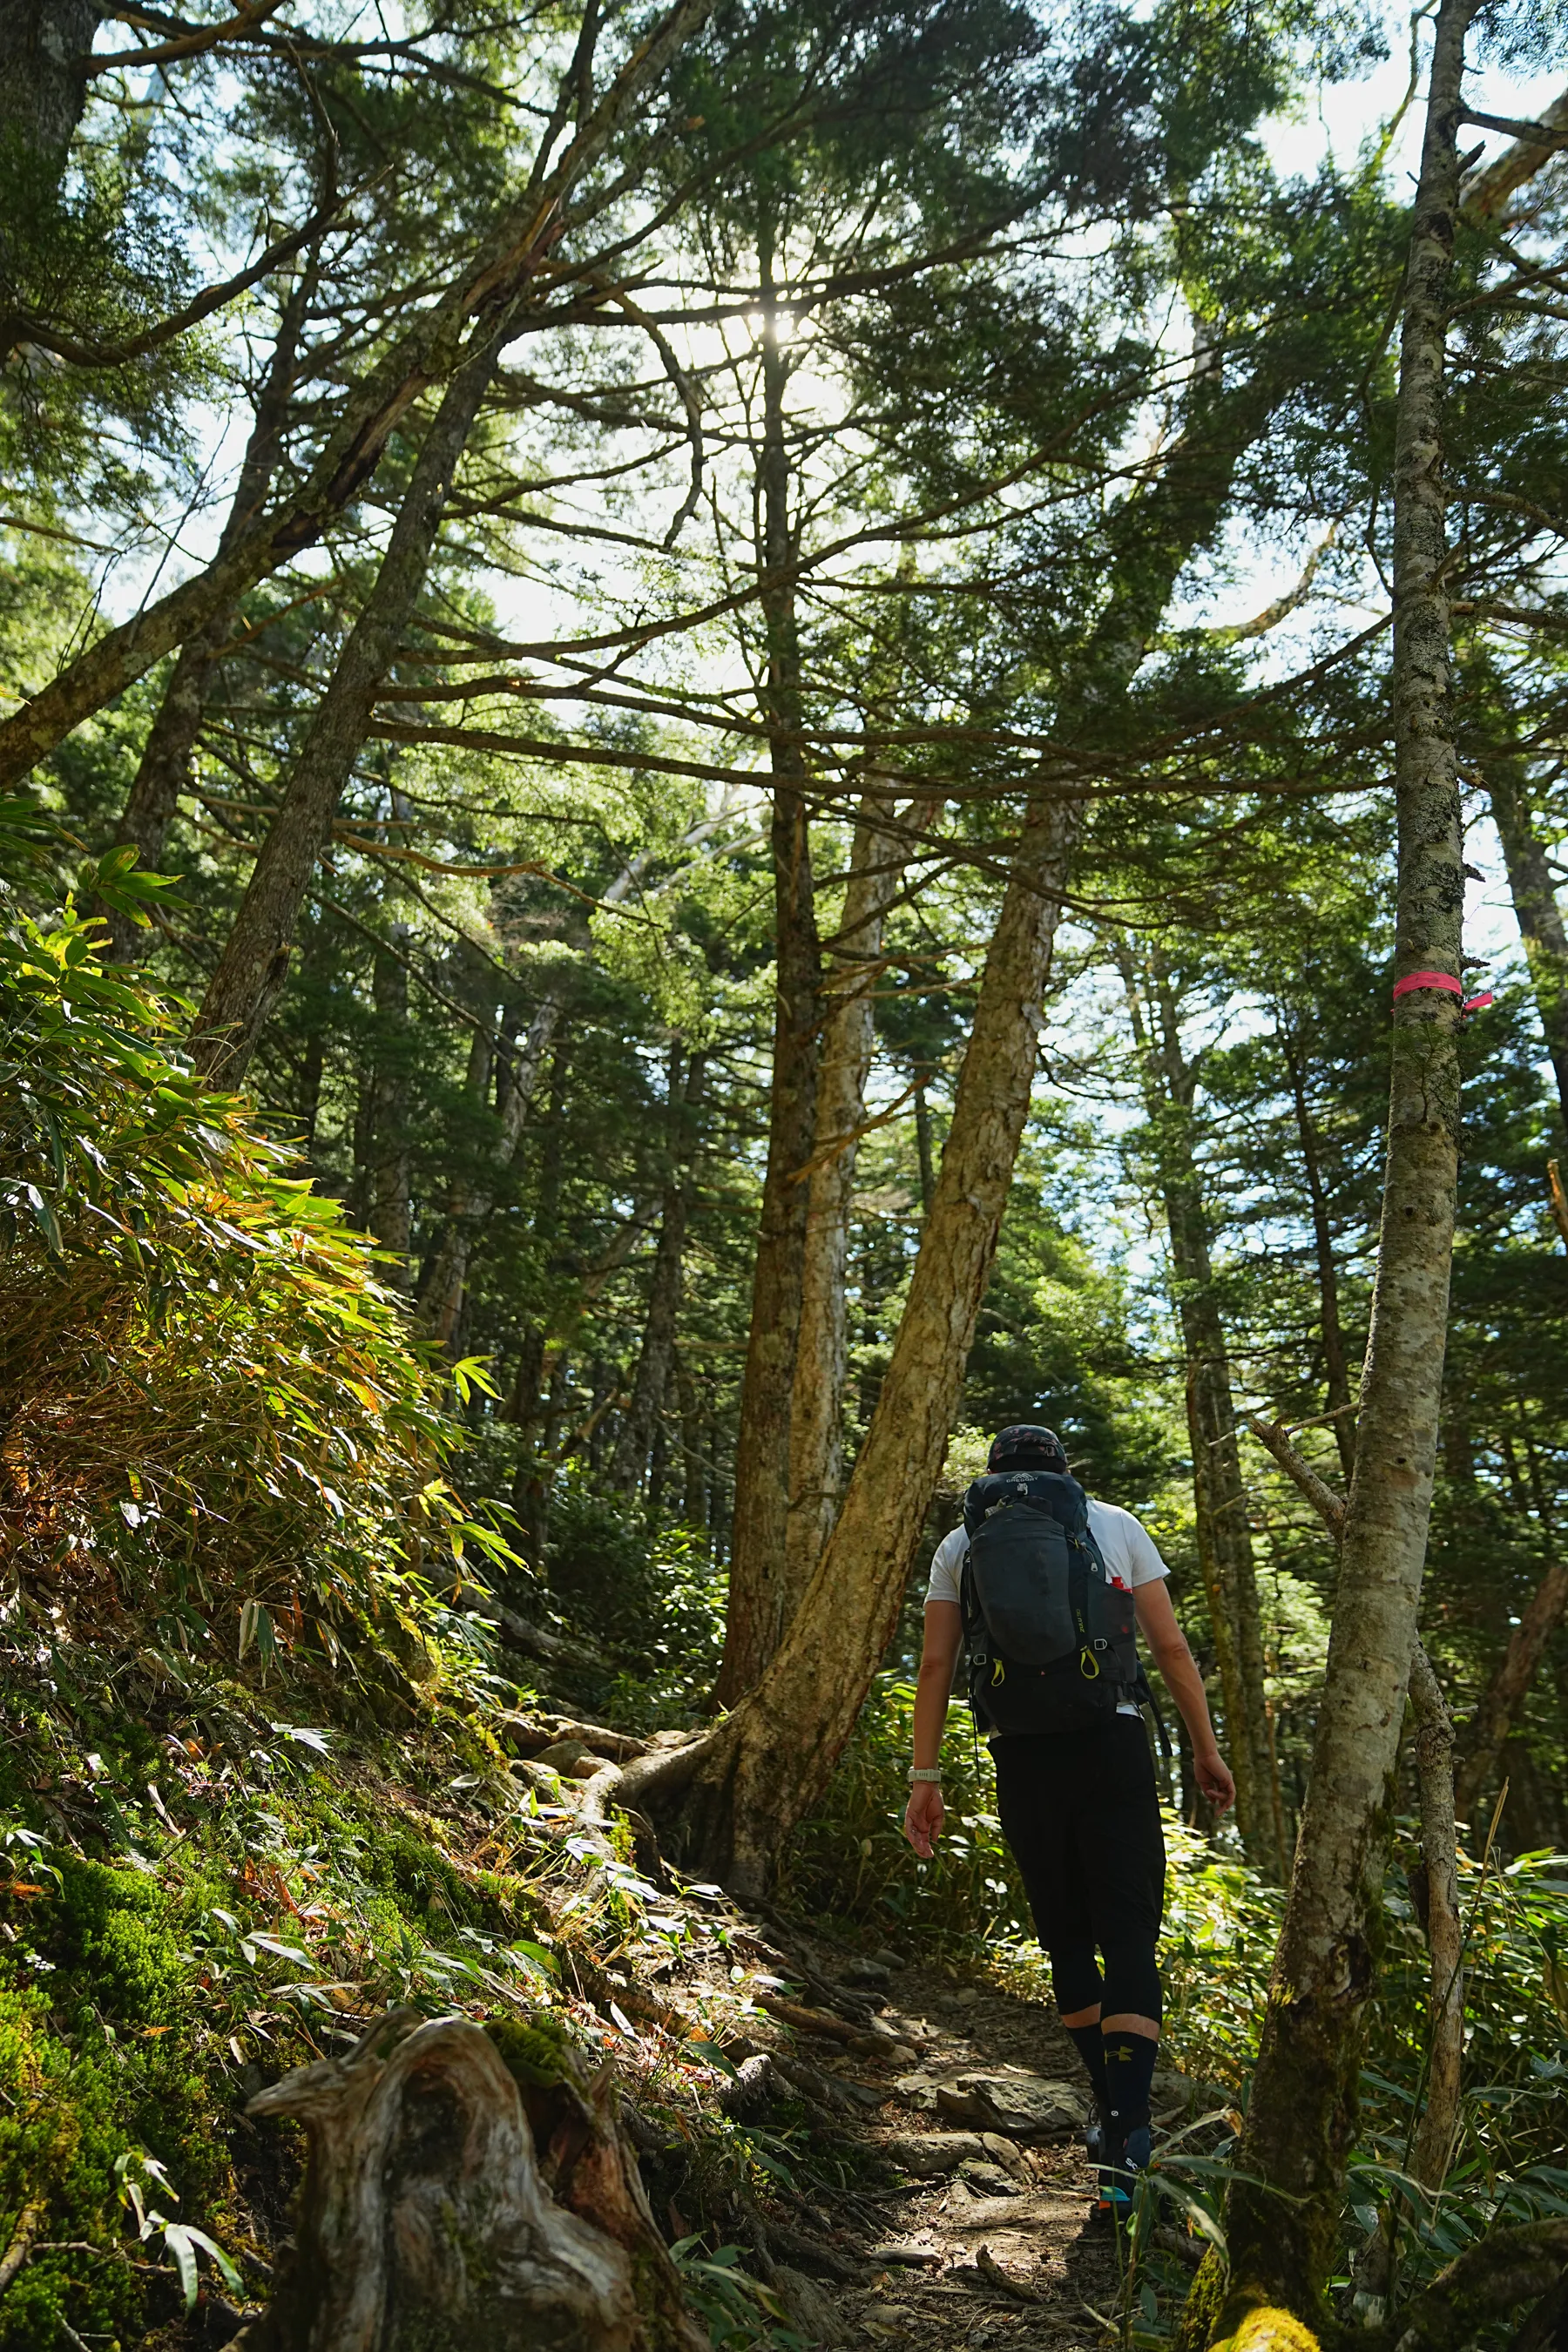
column 465, row 2192
column 1527, row 2263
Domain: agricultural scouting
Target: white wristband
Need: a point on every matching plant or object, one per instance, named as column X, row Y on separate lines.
column 925, row 1773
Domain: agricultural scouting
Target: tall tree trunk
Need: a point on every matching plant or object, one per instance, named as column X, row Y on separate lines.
column 877, row 862
column 255, row 961
column 389, row 1202
column 759, row 1598
column 744, row 1802
column 1284, row 2203
column 656, row 1353
column 1493, row 1720
column 1220, row 1493
column 165, row 765
column 1336, row 1371
column 44, row 47
column 489, row 302
column 759, row 1773
column 1535, row 906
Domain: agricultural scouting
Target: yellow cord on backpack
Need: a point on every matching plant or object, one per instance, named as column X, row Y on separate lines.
column 1089, row 1665
column 999, row 1673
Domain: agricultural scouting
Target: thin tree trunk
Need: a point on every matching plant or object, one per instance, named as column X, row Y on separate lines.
column 738, row 1813
column 1220, row 1493
column 470, row 1201
column 1335, row 1369
column 445, row 1267
column 656, row 1353
column 1445, row 1931
column 255, row 962
column 924, row 1150
column 693, row 1452
column 388, row 1151
column 1535, row 906
column 165, row 765
column 1284, row 2203
column 1493, row 1720
column 876, row 863
column 759, row 1598
column 489, row 300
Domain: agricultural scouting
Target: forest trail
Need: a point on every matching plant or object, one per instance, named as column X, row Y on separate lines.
column 976, row 2207
column 956, row 2106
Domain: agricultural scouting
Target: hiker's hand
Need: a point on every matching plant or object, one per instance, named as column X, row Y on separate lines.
column 923, row 1817
column 1214, row 1780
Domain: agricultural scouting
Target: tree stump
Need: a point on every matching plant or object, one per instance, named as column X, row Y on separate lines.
column 467, row 2192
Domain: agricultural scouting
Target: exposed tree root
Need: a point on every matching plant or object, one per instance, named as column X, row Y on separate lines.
column 446, row 2205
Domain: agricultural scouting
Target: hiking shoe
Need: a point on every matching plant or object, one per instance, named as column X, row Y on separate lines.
column 1117, row 2171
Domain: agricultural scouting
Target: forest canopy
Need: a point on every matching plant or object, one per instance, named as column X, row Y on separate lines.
column 735, row 741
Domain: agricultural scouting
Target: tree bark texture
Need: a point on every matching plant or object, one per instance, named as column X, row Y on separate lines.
column 1302, row 2118
column 854, row 965
column 1336, row 1369
column 164, row 767
column 758, row 1610
column 1219, row 1492
column 1493, row 1720
column 655, row 1356
column 487, row 304
column 255, row 961
column 1534, row 896
column 44, row 47
column 743, row 1803
column 446, row 2203
column 1445, row 1930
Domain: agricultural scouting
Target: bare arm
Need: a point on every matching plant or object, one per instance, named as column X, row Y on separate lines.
column 1168, row 1647
column 945, row 1630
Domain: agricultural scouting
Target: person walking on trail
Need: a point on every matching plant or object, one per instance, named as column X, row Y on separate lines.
column 1047, row 1589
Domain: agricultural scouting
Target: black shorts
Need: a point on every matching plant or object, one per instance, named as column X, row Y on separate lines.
column 1081, row 1813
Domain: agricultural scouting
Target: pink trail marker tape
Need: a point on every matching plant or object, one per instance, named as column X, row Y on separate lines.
column 1441, row 980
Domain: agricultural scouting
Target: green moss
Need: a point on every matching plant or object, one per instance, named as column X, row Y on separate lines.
column 533, row 2054
column 60, row 2130
column 1200, row 2313
column 508, row 1900
column 1269, row 2329
column 414, row 1870
column 114, row 1931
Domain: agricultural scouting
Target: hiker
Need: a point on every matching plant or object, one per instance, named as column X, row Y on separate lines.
column 1042, row 1585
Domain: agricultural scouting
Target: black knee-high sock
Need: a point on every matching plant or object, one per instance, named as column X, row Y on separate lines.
column 1090, row 2045
column 1129, row 2062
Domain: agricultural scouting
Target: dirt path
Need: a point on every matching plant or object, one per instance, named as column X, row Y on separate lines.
column 958, row 2104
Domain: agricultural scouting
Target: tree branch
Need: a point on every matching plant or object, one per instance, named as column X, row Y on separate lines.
column 18, row 327
column 190, row 44
column 1329, row 1506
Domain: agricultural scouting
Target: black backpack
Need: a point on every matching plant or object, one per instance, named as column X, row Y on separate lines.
column 1051, row 1639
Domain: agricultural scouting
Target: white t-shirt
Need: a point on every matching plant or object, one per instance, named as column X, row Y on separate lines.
column 1125, row 1544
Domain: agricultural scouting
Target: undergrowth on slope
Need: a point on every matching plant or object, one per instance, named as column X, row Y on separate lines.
column 217, row 1431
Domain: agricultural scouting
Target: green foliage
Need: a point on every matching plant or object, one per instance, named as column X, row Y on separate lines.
column 849, row 1862
column 532, row 2049
column 215, row 1414
column 738, row 2310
